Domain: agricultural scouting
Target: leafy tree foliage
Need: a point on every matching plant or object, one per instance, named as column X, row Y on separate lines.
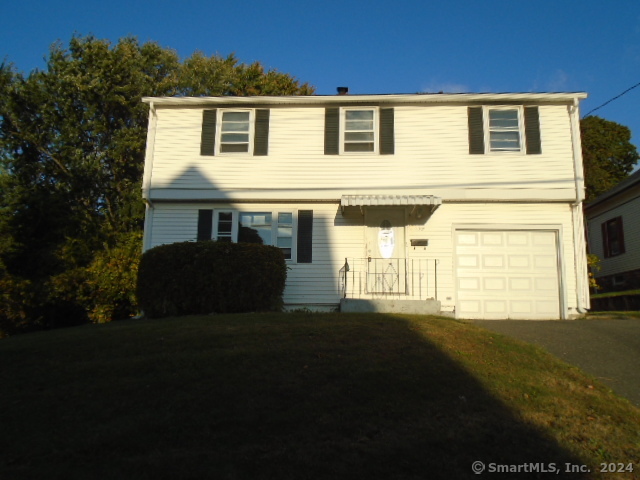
column 608, row 154
column 72, row 140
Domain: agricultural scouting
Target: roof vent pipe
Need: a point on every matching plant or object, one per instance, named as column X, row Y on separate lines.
column 343, row 90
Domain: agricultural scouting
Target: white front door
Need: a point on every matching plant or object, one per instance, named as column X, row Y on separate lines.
column 385, row 250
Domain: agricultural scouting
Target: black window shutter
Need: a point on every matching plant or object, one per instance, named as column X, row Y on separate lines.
column 208, row 140
column 476, row 131
column 261, row 140
column 305, row 236
column 387, row 142
column 332, row 131
column 532, row 130
column 205, row 224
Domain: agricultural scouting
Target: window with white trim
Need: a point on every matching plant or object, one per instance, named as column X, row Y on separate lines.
column 235, row 132
column 504, row 129
column 263, row 227
column 224, row 223
column 359, row 130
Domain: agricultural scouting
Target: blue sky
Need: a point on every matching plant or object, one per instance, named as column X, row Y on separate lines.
column 374, row 46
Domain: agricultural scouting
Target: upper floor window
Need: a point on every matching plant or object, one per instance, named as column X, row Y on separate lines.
column 364, row 130
column 613, row 237
column 504, row 129
column 235, row 131
column 359, row 130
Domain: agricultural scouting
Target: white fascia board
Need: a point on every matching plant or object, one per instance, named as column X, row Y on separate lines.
column 568, row 97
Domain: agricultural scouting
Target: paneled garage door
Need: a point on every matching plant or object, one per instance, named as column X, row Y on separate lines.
column 507, row 274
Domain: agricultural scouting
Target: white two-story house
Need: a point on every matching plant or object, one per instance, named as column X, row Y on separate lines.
column 470, row 202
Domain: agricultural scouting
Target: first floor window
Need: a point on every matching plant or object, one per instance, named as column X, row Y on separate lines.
column 265, row 228
column 284, row 230
column 255, row 228
column 225, row 226
column 613, row 237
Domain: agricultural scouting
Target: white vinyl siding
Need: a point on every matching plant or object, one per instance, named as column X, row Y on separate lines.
column 431, row 156
column 334, row 238
column 337, row 236
column 440, row 229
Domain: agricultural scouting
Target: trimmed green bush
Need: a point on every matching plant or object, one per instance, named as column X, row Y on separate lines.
column 192, row 278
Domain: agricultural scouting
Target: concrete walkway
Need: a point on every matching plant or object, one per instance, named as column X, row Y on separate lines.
column 607, row 348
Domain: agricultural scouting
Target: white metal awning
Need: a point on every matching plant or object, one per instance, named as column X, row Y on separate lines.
column 361, row 201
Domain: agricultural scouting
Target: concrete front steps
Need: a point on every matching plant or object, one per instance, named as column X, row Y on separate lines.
column 418, row 307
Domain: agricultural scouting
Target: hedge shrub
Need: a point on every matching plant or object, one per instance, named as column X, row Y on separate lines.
column 210, row 277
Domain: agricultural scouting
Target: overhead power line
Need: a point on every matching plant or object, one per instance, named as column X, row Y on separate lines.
column 611, row 100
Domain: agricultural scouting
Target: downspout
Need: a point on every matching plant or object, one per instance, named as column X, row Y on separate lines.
column 579, row 243
column 146, row 178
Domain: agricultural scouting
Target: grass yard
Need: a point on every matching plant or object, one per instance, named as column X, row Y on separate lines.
column 301, row 396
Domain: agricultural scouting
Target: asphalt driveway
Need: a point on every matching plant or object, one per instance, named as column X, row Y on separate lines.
column 606, row 348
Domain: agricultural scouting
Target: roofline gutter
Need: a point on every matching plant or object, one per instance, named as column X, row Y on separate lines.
column 397, row 99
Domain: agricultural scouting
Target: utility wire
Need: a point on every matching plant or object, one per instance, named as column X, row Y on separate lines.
column 611, row 100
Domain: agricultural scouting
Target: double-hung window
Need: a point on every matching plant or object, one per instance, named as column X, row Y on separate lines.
column 227, row 131
column 359, row 130
column 504, row 130
column 235, row 131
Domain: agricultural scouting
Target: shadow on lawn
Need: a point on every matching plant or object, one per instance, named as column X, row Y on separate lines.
column 356, row 400
column 277, row 397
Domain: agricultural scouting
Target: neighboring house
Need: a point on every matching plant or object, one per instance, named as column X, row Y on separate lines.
column 467, row 203
column 613, row 222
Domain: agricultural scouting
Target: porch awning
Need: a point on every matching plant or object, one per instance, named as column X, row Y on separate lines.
column 431, row 201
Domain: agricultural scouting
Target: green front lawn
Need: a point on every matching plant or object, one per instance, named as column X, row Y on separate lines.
column 300, row 396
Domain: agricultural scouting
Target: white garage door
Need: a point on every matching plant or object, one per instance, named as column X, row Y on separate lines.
column 507, row 274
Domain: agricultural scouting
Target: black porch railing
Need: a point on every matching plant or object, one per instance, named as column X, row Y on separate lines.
column 409, row 278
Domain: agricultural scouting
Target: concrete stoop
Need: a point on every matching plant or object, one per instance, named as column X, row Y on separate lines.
column 418, row 307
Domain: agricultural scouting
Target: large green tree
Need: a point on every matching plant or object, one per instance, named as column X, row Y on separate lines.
column 608, row 154
column 72, row 140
